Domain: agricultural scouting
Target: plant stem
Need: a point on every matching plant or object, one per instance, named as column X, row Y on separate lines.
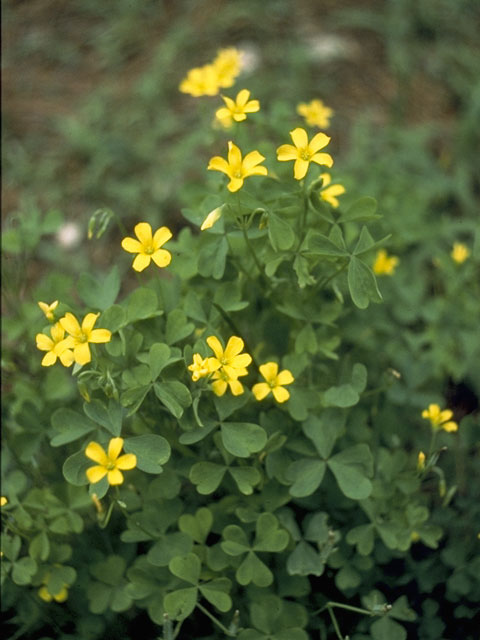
column 215, row 621
column 323, row 284
column 251, row 249
column 234, row 328
column 335, row 623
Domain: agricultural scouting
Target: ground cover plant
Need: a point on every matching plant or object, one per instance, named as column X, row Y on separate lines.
column 261, row 421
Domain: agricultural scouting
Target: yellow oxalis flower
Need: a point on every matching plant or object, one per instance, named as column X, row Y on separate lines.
column 384, row 264
column 3, row 501
column 148, row 247
column 46, row 596
column 440, row 419
column 316, row 114
column 57, row 346
column 237, row 109
column 304, row 152
column 212, row 218
column 201, row 81
column 227, row 65
column 459, row 252
column 228, row 365
column 275, row 382
column 84, row 334
column 421, row 461
column 48, row 309
column 236, row 168
column 329, row 192
column 109, row 464
column 199, row 367
column 224, row 378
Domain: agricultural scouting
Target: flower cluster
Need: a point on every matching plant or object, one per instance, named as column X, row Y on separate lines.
column 75, row 347
column 384, row 264
column 459, row 252
column 236, row 110
column 316, row 114
column 209, row 79
column 440, row 419
column 229, row 364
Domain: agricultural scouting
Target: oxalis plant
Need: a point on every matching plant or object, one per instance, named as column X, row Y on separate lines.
column 224, row 473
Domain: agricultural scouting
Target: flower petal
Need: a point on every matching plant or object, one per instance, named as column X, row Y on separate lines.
column 114, row 447
column 322, row 158
column 131, row 245
column 71, row 324
column 66, row 358
column 234, row 155
column 326, row 179
column 299, row 137
column 222, row 114
column 82, row 354
column 269, row 371
column 230, row 104
column 234, row 347
column 162, row 257
column 212, row 218
column 285, row 377
column 300, row 169
column 214, row 344
column 143, row 231
column 261, row 390
column 235, row 184
column 280, row 394
column 57, row 332
column 287, row 152
column 252, row 106
column 95, row 474
column 44, row 343
column 450, row 426
column 100, row 335
column 96, row 452
column 219, row 387
column 242, row 97
column 318, row 142
column 217, row 163
column 141, row 262
column 115, row 477
column 239, row 117
column 127, row 461
column 88, row 322
column 445, row 415
column 241, row 361
column 252, row 159
column 236, row 387
column 49, row 359
column 161, row 236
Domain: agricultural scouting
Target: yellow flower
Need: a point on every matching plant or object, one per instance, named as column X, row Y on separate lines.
column 274, row 383
column 421, row 461
column 109, row 464
column 231, row 359
column 84, row 334
column 459, row 252
column 3, row 501
column 228, row 378
column 238, row 108
column 384, row 264
column 48, row 309
column 439, row 419
column 304, row 152
column 316, row 114
column 212, row 218
column 199, row 367
column 226, row 121
column 237, row 169
column 148, row 247
column 57, row 346
column 46, row 596
column 329, row 193
column 201, row 81
column 227, row 65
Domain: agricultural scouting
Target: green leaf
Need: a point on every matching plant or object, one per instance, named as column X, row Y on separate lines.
column 362, row 284
column 110, row 571
column 69, row 426
column 254, row 570
column 169, row 546
column 306, row 475
column 75, row 467
column 98, row 595
column 197, row 526
column 342, row 396
column 320, row 245
column 109, row 417
column 186, row 567
column 246, row 478
column 235, row 540
column 99, row 291
column 39, row 547
column 363, row 537
column 228, row 404
column 243, row 438
column 215, row 592
column 157, row 358
column 212, row 258
column 142, row 303
column 113, row 318
column 304, row 561
column 180, row 604
column 359, row 377
column 177, row 327
column 362, row 209
column 386, row 629
column 302, row 269
column 324, row 431
column 174, row 395
column 317, row 529
column 364, row 243
column 134, row 397
column 280, row 233
column 268, row 535
column 24, row 570
column 152, row 451
column 351, row 468
column 207, row 476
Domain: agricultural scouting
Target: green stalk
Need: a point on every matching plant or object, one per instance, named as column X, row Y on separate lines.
column 215, row 621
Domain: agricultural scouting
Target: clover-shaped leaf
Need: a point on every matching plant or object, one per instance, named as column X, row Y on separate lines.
column 243, row 438
column 186, row 567
column 180, row 603
column 197, row 526
column 246, row 478
column 235, row 540
column 351, row 468
column 268, row 536
column 215, row 591
column 307, row 475
column 207, row 476
column 254, row 570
